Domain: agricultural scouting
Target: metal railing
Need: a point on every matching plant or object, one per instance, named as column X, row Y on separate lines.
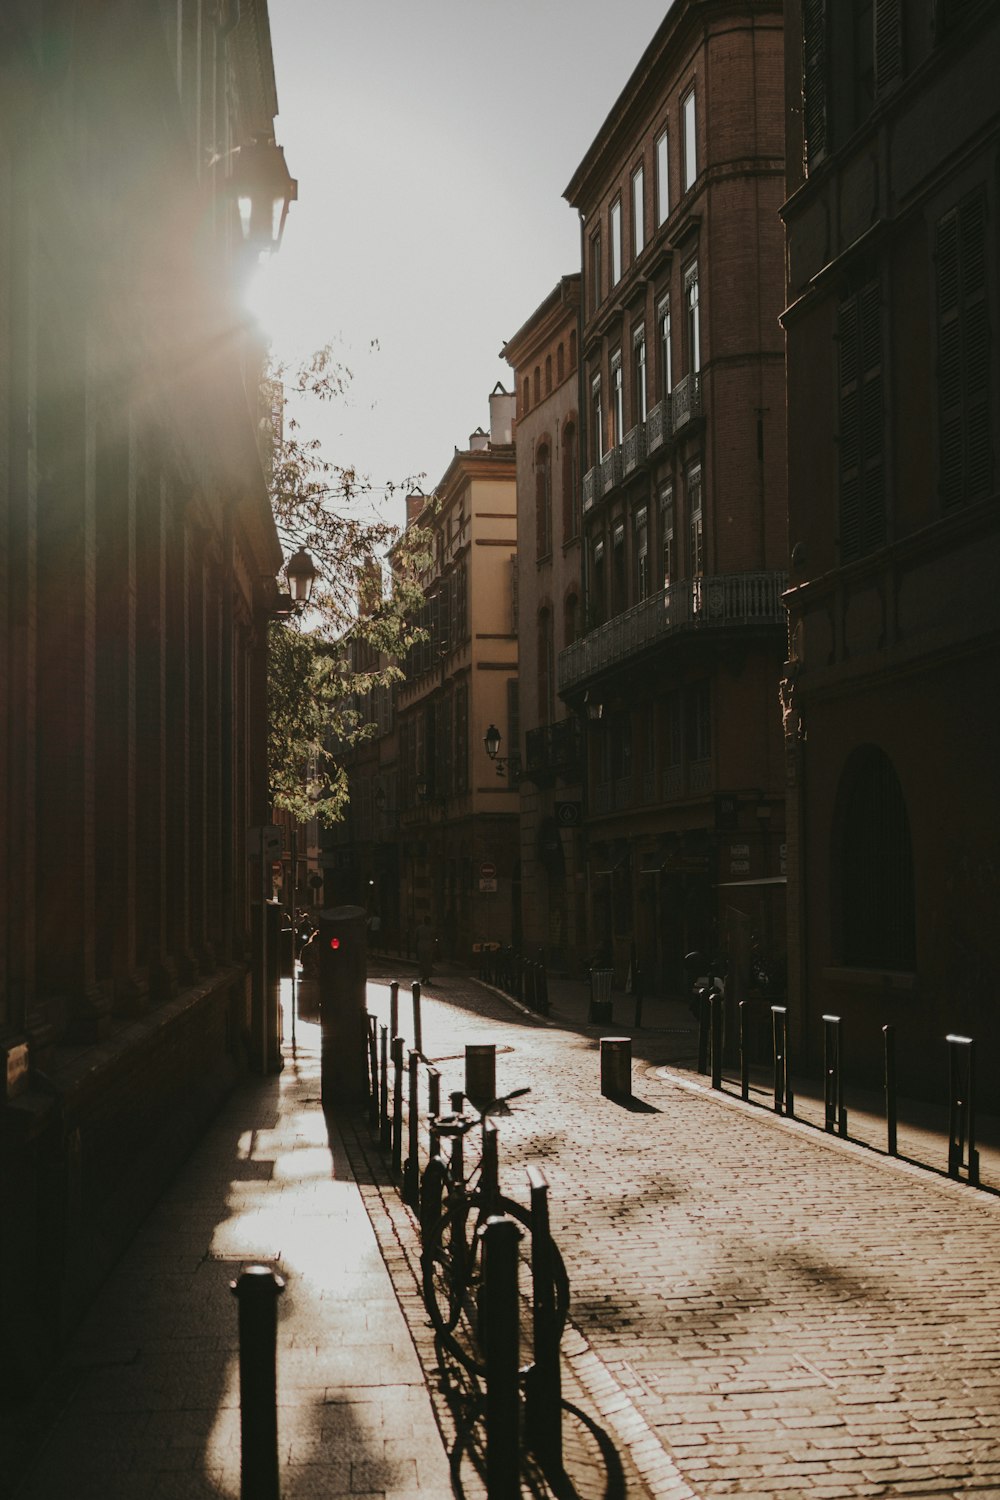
column 725, row 601
column 685, row 402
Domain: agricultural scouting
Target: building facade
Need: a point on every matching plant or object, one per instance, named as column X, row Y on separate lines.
column 137, row 564
column 683, row 524
column 891, row 716
column 544, row 357
column 431, row 832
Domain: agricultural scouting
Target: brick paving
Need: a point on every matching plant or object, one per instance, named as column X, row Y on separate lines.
column 758, row 1309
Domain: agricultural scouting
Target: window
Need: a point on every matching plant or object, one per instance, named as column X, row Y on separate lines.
column 662, row 176
column 546, row 667
column 597, row 586
column 696, row 527
column 526, row 401
column 963, row 366
column 666, row 350
column 616, row 242
column 570, row 613
column 615, row 435
column 641, row 555
column 570, row 483
column 560, row 363
column 814, row 79
column 667, row 533
column 543, row 501
column 638, row 212
column 548, row 374
column 572, row 348
column 693, row 320
column 596, row 421
column 537, row 385
column 861, row 437
column 852, row 56
column 873, row 876
column 639, row 375
column 618, row 581
column 690, row 140
column 675, row 728
column 595, row 270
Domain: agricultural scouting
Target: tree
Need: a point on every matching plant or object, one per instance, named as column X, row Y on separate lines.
column 323, row 664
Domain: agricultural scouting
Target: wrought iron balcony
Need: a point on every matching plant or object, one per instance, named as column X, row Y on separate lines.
column 685, row 400
column 729, row 601
column 633, row 448
column 611, row 470
column 554, row 749
column 591, row 490
column 658, row 425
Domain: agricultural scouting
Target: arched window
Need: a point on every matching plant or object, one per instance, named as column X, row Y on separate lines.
column 571, row 615
column 538, row 385
column 570, row 483
column 572, row 348
column 560, row 363
column 527, row 395
column 873, row 874
column 548, row 374
column 543, row 500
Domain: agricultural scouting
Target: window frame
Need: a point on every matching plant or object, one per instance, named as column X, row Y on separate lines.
column 689, row 138
column 661, row 149
column 638, row 210
column 615, row 237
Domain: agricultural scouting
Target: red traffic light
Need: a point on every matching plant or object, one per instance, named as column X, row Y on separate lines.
column 335, row 942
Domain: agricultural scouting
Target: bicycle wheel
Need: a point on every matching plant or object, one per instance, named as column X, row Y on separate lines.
column 560, row 1278
column 445, row 1253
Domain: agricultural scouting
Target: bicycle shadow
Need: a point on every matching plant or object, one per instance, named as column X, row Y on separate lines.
column 591, row 1466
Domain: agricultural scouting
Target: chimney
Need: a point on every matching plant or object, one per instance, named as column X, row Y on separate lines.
column 502, row 405
column 414, row 505
column 478, row 441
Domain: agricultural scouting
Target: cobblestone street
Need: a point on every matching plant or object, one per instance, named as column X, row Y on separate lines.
column 756, row 1309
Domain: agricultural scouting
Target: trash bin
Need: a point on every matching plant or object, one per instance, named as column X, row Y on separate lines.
column 600, row 996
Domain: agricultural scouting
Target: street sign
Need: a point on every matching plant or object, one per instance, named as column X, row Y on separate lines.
column 569, row 814
column 487, row 883
column 267, row 841
column 487, row 870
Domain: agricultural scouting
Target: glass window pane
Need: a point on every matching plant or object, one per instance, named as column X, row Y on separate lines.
column 662, row 178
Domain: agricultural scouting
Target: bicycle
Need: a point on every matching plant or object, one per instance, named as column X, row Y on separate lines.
column 453, row 1209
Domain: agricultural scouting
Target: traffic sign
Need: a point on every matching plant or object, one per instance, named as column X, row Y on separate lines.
column 569, row 814
column 487, row 870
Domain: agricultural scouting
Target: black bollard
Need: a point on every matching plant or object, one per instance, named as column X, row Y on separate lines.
column 433, row 1091
column 715, row 1001
column 744, row 1053
column 702, row 996
column 394, row 1007
column 500, row 1334
column 411, row 1169
column 385, row 1125
column 543, row 1381
column 257, row 1290
column 889, row 1048
column 782, row 1084
column 962, row 1151
column 397, row 1104
column 418, row 1030
column 834, row 1113
column 373, row 1088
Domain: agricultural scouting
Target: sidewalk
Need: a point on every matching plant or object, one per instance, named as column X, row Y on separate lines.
column 146, row 1401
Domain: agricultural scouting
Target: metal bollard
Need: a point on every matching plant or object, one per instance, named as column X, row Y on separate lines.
column 411, row 1169
column 394, row 1007
column 489, row 1174
column 834, row 1113
column 433, row 1091
column 418, row 1030
column 397, row 1104
column 543, row 1381
column 385, row 1128
column 716, row 1002
column 500, row 1335
column 744, row 1052
column 782, row 1084
column 481, row 1072
column 889, row 1049
column 257, row 1290
column 702, row 1029
column 616, row 1067
column 373, row 1072
column 962, row 1109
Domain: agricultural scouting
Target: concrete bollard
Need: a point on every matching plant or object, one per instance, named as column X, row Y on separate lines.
column 481, row 1072
column 616, row 1067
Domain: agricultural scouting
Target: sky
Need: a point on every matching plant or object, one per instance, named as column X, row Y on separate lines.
column 432, row 141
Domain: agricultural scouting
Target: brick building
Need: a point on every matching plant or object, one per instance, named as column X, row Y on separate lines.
column 681, row 398
column 137, row 561
column 543, row 356
column 892, row 723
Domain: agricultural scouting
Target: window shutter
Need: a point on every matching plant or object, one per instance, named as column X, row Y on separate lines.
column 888, row 45
column 814, row 80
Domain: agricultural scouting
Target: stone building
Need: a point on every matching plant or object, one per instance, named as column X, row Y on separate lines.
column 891, row 711
column 137, row 564
column 683, row 519
column 544, row 357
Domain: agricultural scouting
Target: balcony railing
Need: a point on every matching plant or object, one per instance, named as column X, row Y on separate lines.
column 611, row 470
column 725, row 602
column 591, row 490
column 685, row 400
column 634, row 448
column 554, row 749
column 658, row 425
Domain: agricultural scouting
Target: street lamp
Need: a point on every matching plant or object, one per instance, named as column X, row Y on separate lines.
column 492, row 740
column 300, row 570
column 264, row 189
